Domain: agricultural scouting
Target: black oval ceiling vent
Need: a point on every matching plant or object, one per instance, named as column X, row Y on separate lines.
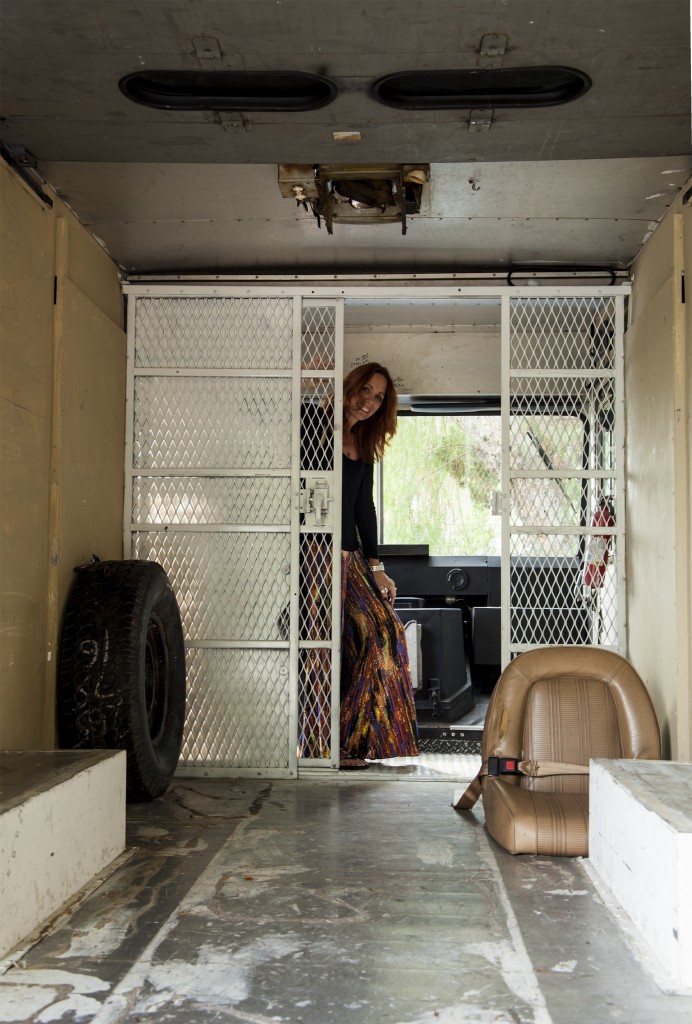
column 229, row 90
column 483, row 87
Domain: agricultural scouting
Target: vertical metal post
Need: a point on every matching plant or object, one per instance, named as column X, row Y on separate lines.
column 621, row 504
column 293, row 652
column 321, row 445
column 129, row 425
column 505, row 561
column 336, row 535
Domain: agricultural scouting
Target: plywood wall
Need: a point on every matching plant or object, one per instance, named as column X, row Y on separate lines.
column 658, row 374
column 62, row 401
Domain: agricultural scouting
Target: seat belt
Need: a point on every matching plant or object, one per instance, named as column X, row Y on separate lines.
column 465, row 799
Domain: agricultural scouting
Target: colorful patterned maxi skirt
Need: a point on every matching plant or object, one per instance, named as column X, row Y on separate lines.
column 378, row 717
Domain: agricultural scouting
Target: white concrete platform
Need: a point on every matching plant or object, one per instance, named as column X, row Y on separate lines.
column 640, row 851
column 62, row 820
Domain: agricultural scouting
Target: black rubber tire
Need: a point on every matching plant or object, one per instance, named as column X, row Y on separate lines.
column 121, row 674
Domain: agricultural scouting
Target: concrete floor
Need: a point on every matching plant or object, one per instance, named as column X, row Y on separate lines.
column 363, row 899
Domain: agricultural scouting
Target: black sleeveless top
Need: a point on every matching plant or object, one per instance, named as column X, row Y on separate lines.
column 358, row 518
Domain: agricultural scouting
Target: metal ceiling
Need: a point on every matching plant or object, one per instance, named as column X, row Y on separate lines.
column 568, row 186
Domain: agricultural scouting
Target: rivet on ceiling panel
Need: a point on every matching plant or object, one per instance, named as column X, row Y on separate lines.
column 207, row 49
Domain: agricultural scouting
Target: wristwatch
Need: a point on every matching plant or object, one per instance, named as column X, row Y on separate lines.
column 377, row 568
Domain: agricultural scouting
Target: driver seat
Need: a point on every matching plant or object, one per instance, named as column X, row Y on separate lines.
column 553, row 709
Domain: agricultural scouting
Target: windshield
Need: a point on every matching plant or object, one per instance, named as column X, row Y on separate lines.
column 439, row 474
column 437, row 481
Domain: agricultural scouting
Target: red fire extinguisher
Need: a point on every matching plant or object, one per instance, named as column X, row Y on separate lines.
column 598, row 547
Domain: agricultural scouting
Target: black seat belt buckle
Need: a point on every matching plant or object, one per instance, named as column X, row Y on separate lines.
column 503, row 766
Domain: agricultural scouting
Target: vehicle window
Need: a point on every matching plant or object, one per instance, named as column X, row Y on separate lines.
column 440, row 472
column 436, row 484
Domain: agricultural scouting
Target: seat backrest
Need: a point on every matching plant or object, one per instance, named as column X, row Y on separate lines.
column 569, row 704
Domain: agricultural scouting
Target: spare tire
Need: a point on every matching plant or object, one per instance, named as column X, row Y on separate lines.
column 121, row 674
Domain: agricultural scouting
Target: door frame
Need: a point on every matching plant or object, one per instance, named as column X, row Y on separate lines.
column 340, row 293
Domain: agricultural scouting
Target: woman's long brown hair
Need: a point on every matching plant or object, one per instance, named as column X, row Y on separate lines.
column 375, row 433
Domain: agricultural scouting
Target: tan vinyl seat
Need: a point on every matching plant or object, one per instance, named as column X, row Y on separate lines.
column 557, row 707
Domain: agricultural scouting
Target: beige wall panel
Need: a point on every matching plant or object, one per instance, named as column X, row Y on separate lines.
column 653, row 267
column 27, row 242
column 423, row 361
column 91, row 269
column 92, row 453
column 649, row 369
column 24, row 560
column 87, row 514
column 685, row 709
column 658, row 367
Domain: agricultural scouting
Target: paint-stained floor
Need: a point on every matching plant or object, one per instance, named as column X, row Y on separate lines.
column 344, row 901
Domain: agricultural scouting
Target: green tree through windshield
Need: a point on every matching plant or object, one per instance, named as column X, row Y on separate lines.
column 438, row 477
column 439, row 474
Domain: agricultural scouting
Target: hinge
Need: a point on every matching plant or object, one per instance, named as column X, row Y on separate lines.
column 55, row 289
column 480, row 120
column 682, row 288
column 492, row 49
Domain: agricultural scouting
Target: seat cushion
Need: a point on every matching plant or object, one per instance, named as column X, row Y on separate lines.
column 569, row 719
column 529, row 821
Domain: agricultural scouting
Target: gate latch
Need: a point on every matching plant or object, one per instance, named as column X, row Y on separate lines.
column 317, row 502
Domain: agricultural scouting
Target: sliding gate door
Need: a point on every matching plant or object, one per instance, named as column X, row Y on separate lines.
column 563, row 558
column 215, row 492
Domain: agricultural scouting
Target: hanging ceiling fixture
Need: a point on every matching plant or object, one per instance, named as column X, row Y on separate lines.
column 351, row 194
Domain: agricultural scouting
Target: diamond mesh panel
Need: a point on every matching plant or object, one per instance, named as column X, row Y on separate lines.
column 603, row 603
column 316, row 586
column 318, row 337
column 230, row 586
column 314, row 739
column 214, row 333
column 237, row 709
column 543, row 501
column 548, row 603
column 563, row 423
column 215, row 422
column 261, row 501
column 316, row 454
column 560, row 423
column 540, row 502
column 563, row 334
column 317, row 425
column 547, row 442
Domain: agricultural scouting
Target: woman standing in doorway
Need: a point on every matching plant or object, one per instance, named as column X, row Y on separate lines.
column 377, row 709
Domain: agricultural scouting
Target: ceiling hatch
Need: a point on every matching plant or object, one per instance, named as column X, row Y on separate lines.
column 350, row 194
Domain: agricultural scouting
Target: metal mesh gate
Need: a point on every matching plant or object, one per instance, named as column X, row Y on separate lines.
column 234, row 412
column 320, row 528
column 563, row 514
column 214, row 452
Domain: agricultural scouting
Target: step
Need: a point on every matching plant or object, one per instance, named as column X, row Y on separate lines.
column 640, row 852
column 62, row 820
